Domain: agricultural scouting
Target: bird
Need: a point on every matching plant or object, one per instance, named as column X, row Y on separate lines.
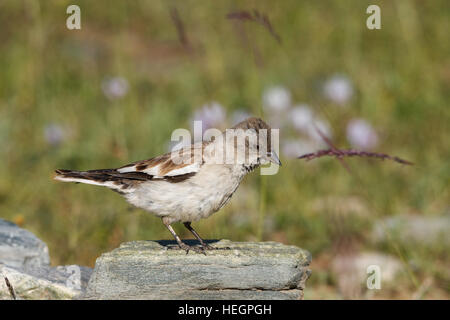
column 190, row 183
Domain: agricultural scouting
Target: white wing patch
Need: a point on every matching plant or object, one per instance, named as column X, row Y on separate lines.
column 179, row 171
column 155, row 171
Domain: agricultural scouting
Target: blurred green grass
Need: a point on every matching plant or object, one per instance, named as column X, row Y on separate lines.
column 49, row 75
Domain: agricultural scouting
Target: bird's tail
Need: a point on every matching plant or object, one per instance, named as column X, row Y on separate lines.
column 96, row 177
column 111, row 178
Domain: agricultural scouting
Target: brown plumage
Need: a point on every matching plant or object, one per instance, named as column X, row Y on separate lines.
column 256, row 124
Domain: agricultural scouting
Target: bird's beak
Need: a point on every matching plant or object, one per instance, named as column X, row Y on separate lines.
column 273, row 157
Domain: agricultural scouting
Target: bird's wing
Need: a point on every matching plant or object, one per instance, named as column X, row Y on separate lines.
column 185, row 162
column 176, row 166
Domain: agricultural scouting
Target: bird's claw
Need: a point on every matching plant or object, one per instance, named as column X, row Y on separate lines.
column 200, row 249
column 206, row 246
column 187, row 248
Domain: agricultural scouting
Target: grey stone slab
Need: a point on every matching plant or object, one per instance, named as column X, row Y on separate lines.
column 237, row 270
column 24, row 260
column 21, row 249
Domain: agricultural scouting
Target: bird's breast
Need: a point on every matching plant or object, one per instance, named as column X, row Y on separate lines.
column 195, row 198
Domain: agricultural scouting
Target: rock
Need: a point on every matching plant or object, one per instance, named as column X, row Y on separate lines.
column 73, row 276
column 159, row 270
column 62, row 282
column 25, row 261
column 27, row 286
column 20, row 249
column 351, row 274
column 414, row 229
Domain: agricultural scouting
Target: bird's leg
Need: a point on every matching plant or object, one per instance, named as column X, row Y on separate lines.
column 205, row 246
column 181, row 244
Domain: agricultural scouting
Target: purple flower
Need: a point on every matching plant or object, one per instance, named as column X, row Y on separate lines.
column 361, row 135
column 294, row 148
column 324, row 128
column 338, row 89
column 212, row 115
column 239, row 115
column 115, row 88
column 54, row 134
column 276, row 99
column 301, row 116
column 305, row 121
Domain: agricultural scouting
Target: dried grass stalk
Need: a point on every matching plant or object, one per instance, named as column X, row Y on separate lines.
column 352, row 153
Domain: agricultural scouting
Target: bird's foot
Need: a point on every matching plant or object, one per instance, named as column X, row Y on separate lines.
column 206, row 246
column 187, row 248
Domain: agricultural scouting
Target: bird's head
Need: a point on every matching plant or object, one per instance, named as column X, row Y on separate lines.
column 251, row 143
